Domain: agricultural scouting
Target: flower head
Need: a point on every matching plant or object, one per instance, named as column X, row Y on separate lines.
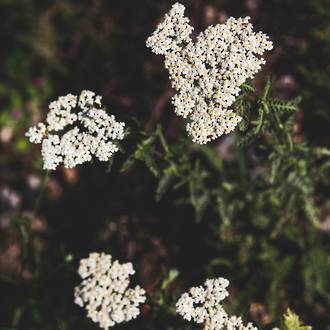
column 76, row 129
column 203, row 305
column 104, row 290
column 207, row 73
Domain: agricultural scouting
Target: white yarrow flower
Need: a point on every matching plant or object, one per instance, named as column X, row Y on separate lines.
column 76, row 129
column 207, row 74
column 203, row 305
column 104, row 290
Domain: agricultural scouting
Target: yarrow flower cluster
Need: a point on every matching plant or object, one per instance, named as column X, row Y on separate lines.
column 104, row 290
column 76, row 128
column 203, row 305
column 208, row 73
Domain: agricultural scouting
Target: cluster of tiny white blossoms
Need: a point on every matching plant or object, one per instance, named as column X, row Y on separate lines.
column 76, row 128
column 203, row 305
column 208, row 73
column 104, row 290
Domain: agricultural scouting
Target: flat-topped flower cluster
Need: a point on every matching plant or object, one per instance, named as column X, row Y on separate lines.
column 203, row 305
column 76, row 128
column 208, row 73
column 104, row 290
column 105, row 295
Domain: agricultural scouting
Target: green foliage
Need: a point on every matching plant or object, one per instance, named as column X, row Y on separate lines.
column 290, row 172
column 291, row 321
column 269, row 188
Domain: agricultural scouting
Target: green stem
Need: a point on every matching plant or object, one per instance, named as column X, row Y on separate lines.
column 162, row 140
column 267, row 89
column 261, row 121
column 41, row 193
column 278, row 121
column 289, row 138
column 281, row 127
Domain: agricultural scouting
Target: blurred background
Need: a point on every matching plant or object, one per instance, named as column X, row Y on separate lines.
column 52, row 48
